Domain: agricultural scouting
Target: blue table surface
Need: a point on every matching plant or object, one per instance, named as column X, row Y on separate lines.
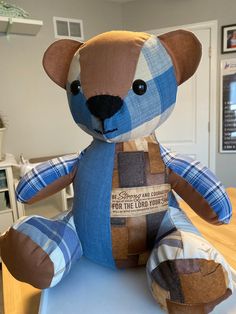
column 90, row 288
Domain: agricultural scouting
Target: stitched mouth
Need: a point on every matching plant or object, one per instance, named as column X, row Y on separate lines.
column 105, row 132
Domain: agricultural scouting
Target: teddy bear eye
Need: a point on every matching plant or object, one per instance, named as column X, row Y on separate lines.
column 139, row 87
column 75, row 87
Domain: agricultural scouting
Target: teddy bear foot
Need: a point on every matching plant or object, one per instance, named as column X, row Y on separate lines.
column 26, row 260
column 41, row 251
column 193, row 286
column 202, row 308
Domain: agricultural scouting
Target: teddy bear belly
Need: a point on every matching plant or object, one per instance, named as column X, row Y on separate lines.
column 139, row 201
column 130, row 241
column 136, row 216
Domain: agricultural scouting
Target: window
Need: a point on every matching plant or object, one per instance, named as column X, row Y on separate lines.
column 68, row 28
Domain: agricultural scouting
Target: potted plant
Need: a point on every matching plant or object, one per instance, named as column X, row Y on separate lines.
column 2, row 130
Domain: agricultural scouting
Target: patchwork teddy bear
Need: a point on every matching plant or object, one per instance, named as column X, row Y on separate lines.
column 121, row 87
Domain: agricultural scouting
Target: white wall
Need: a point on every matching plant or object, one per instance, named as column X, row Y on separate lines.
column 39, row 122
column 36, row 110
column 153, row 14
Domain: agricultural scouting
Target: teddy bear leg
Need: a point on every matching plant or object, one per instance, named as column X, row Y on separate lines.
column 41, row 251
column 186, row 274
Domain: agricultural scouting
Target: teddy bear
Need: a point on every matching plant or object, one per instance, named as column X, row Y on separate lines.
column 121, row 86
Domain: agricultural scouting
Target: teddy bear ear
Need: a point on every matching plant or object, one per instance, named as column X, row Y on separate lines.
column 57, row 59
column 185, row 51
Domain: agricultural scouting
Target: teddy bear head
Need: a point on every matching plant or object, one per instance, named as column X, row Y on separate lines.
column 122, row 85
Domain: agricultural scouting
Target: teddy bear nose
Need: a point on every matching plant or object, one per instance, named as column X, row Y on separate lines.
column 104, row 106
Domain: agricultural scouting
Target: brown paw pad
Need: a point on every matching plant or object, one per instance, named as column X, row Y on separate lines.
column 26, row 260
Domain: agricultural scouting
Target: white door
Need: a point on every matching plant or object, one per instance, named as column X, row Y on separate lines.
column 187, row 129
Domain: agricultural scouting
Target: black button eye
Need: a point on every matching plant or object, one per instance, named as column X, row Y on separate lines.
column 139, row 87
column 75, row 87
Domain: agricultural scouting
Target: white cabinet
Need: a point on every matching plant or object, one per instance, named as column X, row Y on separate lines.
column 19, row 26
column 8, row 210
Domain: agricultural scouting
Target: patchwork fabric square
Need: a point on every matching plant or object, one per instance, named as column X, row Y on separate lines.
column 131, row 169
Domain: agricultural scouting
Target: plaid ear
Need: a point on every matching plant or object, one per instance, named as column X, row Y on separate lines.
column 47, row 178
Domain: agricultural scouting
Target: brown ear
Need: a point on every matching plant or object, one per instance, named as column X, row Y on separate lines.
column 185, row 51
column 57, row 59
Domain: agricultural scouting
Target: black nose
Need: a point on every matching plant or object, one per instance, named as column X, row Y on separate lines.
column 104, row 106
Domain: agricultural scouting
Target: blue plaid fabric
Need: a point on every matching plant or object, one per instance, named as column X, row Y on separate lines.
column 140, row 114
column 44, row 174
column 58, row 238
column 202, row 180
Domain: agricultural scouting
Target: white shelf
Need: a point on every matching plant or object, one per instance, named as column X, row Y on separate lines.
column 8, row 161
column 7, row 210
column 3, row 190
column 19, row 26
column 69, row 196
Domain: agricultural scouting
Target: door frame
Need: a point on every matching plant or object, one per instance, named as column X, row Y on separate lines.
column 213, row 27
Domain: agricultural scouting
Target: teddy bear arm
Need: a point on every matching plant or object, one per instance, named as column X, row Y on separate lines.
column 193, row 198
column 47, row 178
column 198, row 186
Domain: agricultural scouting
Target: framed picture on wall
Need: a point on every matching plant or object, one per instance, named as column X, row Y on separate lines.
column 228, row 41
column 228, row 106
